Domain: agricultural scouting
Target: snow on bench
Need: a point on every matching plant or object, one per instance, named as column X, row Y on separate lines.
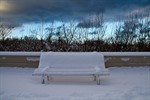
column 71, row 63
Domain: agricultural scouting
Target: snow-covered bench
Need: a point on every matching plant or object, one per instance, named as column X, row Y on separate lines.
column 71, row 63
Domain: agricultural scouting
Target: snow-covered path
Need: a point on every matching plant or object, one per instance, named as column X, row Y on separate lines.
column 122, row 84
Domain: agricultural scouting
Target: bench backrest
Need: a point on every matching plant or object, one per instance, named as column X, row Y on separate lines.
column 72, row 59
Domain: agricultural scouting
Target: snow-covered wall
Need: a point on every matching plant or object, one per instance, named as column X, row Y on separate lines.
column 31, row 59
column 20, row 53
column 126, row 53
column 104, row 53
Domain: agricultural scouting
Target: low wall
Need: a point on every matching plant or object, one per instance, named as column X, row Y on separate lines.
column 31, row 59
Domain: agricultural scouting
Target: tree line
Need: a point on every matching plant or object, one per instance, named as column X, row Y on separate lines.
column 132, row 34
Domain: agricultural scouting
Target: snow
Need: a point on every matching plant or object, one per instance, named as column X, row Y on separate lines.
column 124, row 83
column 107, row 59
column 33, row 58
column 104, row 53
column 125, row 59
column 126, row 53
column 20, row 53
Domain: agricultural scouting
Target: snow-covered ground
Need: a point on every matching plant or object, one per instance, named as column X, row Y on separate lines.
column 122, row 84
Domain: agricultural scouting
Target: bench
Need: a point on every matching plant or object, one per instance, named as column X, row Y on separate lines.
column 71, row 63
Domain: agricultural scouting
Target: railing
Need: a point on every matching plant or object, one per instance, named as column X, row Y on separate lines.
column 31, row 59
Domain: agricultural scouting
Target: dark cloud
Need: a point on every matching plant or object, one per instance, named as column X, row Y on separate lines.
column 24, row 11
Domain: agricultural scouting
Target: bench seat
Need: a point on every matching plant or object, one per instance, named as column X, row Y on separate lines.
column 69, row 71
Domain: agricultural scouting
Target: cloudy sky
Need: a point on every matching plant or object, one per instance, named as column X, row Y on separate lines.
column 27, row 11
column 31, row 10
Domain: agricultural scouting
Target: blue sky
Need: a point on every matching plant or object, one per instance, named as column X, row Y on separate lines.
column 28, row 14
column 26, row 29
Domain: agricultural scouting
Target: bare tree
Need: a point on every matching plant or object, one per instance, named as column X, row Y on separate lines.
column 144, row 30
column 5, row 30
column 67, row 33
column 50, row 32
column 126, row 33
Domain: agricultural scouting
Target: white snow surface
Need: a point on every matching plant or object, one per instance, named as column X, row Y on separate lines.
column 125, row 59
column 33, row 58
column 124, row 83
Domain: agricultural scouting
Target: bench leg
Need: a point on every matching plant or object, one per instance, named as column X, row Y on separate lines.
column 48, row 79
column 98, row 80
column 43, row 79
column 94, row 77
